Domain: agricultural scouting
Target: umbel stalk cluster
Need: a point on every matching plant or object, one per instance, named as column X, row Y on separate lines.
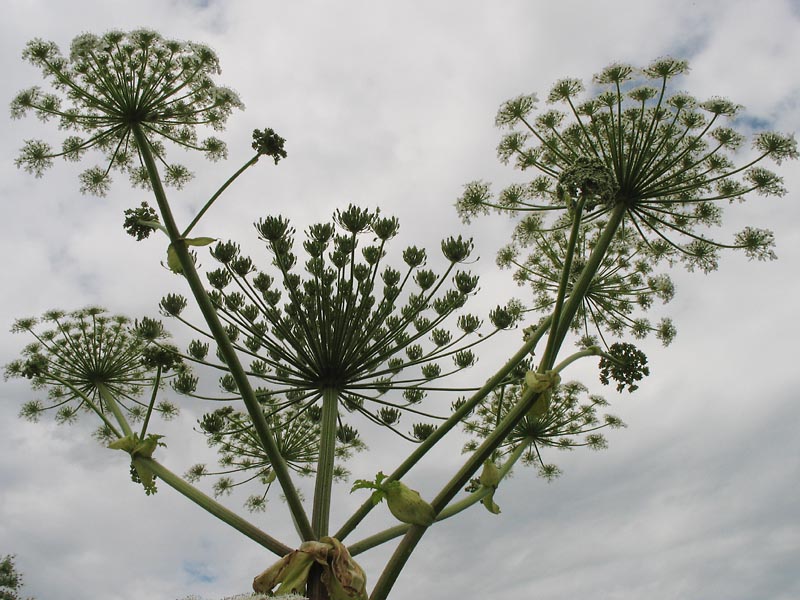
column 342, row 331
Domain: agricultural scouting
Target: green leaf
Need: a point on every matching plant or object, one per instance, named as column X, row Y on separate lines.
column 199, row 241
column 488, row 502
column 173, row 262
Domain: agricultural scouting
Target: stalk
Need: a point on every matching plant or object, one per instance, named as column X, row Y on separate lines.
column 217, row 194
column 226, row 348
column 451, row 510
column 446, row 426
column 320, row 519
column 562, row 285
column 590, row 269
column 212, row 506
column 403, row 551
column 152, row 402
column 109, row 400
column 415, row 532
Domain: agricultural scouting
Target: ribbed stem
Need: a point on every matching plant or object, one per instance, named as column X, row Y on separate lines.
column 452, row 509
column 393, row 568
column 212, row 506
column 223, row 342
column 454, row 419
column 320, row 519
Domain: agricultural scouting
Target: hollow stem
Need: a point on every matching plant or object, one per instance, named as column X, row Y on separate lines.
column 212, row 506
column 111, row 403
column 320, row 519
column 226, row 349
column 452, row 509
column 455, row 419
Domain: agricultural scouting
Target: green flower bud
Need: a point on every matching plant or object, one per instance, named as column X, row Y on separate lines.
column 404, row 503
column 490, row 478
column 542, row 384
column 490, row 475
column 407, row 505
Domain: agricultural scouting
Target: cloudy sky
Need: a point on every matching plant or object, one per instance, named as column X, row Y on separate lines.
column 392, row 105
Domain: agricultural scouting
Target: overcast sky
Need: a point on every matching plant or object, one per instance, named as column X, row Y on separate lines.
column 392, row 105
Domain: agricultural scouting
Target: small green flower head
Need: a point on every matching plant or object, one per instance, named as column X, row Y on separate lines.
column 80, row 357
column 330, row 315
column 571, row 420
column 633, row 142
column 112, row 85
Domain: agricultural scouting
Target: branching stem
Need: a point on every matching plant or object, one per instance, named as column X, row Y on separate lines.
column 226, row 348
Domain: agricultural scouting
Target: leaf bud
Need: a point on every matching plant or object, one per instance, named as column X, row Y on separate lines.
column 407, row 505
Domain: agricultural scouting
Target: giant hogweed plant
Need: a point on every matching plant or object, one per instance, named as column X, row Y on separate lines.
column 308, row 351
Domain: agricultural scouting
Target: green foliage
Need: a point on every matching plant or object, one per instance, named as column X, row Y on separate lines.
column 10, row 579
column 404, row 503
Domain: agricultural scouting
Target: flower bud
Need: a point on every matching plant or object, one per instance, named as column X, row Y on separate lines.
column 490, row 475
column 407, row 505
column 490, row 478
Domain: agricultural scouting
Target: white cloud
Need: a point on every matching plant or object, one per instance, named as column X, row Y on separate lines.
column 392, row 105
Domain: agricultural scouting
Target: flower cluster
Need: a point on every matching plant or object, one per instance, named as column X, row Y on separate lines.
column 111, row 85
column 375, row 336
column 87, row 358
column 623, row 283
column 567, row 423
column 296, row 434
column 666, row 158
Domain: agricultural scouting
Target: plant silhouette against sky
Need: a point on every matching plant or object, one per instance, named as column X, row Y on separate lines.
column 630, row 176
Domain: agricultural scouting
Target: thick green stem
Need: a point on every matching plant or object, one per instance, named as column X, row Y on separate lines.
column 212, row 506
column 565, row 273
column 111, row 403
column 226, row 349
column 392, row 570
column 452, row 509
column 582, row 285
column 454, row 419
column 320, row 519
column 415, row 532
